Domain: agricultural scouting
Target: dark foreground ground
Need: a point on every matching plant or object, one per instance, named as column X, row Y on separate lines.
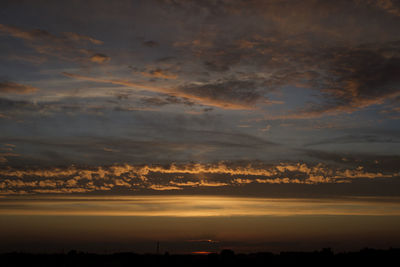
column 325, row 257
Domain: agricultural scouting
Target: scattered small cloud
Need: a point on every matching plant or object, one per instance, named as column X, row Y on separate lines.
column 159, row 73
column 151, row 43
column 67, row 46
column 266, row 128
column 82, row 38
column 99, row 58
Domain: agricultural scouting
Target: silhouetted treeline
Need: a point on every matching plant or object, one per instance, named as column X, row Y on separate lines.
column 324, row 257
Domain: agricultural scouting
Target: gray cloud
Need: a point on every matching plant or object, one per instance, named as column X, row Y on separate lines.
column 349, row 71
column 359, row 77
column 239, row 92
column 359, row 138
column 166, row 100
column 370, row 162
column 390, row 6
column 151, row 43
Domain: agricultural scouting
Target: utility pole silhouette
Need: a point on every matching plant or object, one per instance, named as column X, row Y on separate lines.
column 158, row 248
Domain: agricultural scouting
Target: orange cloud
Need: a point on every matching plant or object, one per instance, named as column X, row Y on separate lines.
column 164, row 187
column 99, row 58
column 16, row 88
column 64, row 46
column 159, row 73
column 205, row 100
column 177, row 177
column 79, row 38
column 201, row 183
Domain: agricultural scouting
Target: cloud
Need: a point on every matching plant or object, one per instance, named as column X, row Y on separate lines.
column 197, row 184
column 82, row 38
column 350, row 79
column 14, row 108
column 164, row 187
column 227, row 93
column 371, row 162
column 166, row 100
column 16, row 88
column 360, row 173
column 3, row 116
column 281, row 47
column 99, row 58
column 151, row 43
column 118, row 82
column 359, row 138
column 267, row 128
column 362, row 77
column 348, row 72
column 231, row 94
column 159, row 73
column 390, row 6
column 4, row 156
column 69, row 46
column 177, row 177
column 160, row 138
column 273, row 7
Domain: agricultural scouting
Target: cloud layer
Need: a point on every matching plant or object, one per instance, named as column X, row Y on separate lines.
column 174, row 177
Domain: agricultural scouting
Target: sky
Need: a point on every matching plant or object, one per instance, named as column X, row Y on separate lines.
column 251, row 125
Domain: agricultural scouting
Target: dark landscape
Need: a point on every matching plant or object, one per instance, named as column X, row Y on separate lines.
column 324, row 257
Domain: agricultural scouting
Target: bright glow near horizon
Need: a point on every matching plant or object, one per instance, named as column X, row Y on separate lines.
column 197, row 206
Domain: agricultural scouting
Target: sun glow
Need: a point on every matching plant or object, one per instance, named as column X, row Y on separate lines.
column 196, row 206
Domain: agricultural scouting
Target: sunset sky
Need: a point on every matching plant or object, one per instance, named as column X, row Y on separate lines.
column 258, row 125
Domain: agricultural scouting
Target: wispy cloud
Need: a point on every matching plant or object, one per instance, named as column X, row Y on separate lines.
column 226, row 95
column 16, row 88
column 69, row 46
column 390, row 6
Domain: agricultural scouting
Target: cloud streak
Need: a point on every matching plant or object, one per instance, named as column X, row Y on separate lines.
column 230, row 95
column 16, row 88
